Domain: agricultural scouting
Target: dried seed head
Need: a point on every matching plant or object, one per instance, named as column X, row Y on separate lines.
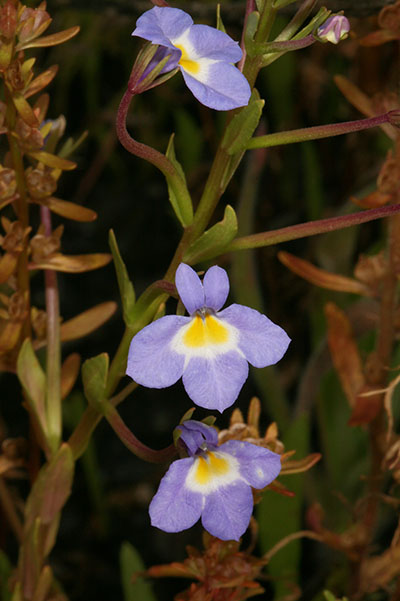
column 371, row 270
column 13, row 241
column 18, row 307
column 39, row 322
column 14, row 75
column 8, row 20
column 389, row 17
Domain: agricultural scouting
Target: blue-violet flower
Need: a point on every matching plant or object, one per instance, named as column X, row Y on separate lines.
column 203, row 54
column 213, row 483
column 335, row 29
column 211, row 349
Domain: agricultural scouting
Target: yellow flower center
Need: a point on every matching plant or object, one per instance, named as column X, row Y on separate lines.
column 210, row 467
column 203, row 332
column 186, row 63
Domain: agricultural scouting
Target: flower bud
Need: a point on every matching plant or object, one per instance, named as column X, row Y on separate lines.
column 8, row 20
column 40, row 183
column 33, row 22
column 335, row 29
column 8, row 183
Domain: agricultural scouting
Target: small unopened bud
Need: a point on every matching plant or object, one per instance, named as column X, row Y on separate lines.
column 43, row 247
column 29, row 138
column 8, row 183
column 335, row 29
column 8, row 20
column 40, row 183
column 33, row 21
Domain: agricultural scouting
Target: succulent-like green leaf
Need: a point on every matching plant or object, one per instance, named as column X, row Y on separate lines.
column 126, row 289
column 134, row 589
column 94, row 376
column 214, row 240
column 241, row 128
column 179, row 199
column 33, row 380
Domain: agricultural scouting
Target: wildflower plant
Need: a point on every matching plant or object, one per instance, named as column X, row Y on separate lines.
column 216, row 474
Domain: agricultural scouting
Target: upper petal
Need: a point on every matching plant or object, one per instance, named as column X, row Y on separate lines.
column 261, row 340
column 227, row 511
column 215, row 383
column 216, row 287
column 174, row 507
column 257, row 465
column 151, row 361
column 207, row 42
column 190, row 288
column 161, row 24
column 218, row 85
column 195, row 434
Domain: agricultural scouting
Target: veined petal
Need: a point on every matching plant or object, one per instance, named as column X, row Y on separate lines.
column 215, row 383
column 190, row 288
column 207, row 42
column 218, row 85
column 161, row 24
column 227, row 511
column 261, row 340
column 258, row 466
column 216, row 287
column 174, row 507
column 151, row 361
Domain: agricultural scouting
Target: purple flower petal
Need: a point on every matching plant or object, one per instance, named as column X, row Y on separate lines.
column 227, row 511
column 161, row 24
column 215, row 383
column 261, row 341
column 196, row 434
column 257, row 465
column 223, row 87
column 190, row 288
column 209, row 42
column 216, row 287
column 174, row 507
column 151, row 362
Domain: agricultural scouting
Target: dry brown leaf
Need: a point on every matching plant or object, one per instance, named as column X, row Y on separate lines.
column 72, row 263
column 87, row 322
column 67, row 209
column 344, row 352
column 69, row 373
column 320, row 277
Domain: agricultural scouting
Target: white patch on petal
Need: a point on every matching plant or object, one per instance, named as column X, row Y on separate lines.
column 190, row 62
column 212, row 471
column 207, row 343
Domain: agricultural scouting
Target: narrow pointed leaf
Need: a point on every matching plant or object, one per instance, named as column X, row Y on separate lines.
column 344, row 351
column 214, row 241
column 67, row 209
column 181, row 204
column 8, row 263
column 41, row 81
column 87, row 322
column 126, row 289
column 243, row 125
column 51, row 160
column 134, row 589
column 9, row 335
column 50, row 40
column 94, row 376
column 69, row 373
column 52, row 487
column 320, row 277
column 33, row 380
column 25, row 110
column 73, row 263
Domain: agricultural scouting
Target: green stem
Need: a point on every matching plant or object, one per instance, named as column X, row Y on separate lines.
column 311, row 228
column 317, row 132
column 53, row 349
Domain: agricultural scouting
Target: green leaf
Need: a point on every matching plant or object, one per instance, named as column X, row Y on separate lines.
column 220, row 24
column 241, row 128
column 131, row 562
column 280, row 516
column 214, row 240
column 125, row 285
column 51, row 489
column 94, row 376
column 5, row 573
column 33, row 381
column 181, row 203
